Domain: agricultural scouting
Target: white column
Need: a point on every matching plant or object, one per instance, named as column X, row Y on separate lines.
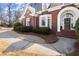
column 58, row 25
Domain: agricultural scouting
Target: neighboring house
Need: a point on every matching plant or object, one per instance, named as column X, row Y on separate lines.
column 59, row 17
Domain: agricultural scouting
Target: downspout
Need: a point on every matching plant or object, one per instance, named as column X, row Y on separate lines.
column 35, row 21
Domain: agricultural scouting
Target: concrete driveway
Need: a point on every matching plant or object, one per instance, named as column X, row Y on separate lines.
column 23, row 42
column 7, row 33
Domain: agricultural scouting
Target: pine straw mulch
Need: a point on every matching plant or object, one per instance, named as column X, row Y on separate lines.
column 76, row 52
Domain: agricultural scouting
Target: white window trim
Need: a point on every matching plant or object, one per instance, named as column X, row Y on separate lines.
column 46, row 20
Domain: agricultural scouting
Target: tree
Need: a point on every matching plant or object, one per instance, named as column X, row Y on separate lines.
column 77, row 28
column 2, row 19
column 14, row 13
column 9, row 13
column 17, row 15
column 19, row 12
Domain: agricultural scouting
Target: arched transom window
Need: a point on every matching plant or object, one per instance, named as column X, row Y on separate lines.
column 67, row 21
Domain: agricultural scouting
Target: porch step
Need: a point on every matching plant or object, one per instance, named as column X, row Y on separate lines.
column 69, row 34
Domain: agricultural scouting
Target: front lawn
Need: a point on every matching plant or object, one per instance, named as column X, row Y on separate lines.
column 3, row 45
column 23, row 53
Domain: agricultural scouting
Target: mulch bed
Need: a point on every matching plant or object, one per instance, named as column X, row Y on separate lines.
column 77, row 45
column 76, row 52
column 51, row 38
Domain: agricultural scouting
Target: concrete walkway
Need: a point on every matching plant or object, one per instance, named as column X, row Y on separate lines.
column 64, row 45
column 23, row 42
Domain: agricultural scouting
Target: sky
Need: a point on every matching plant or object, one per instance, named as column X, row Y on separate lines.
column 14, row 7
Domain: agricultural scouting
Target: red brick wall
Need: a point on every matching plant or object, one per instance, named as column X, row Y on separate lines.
column 54, row 20
column 37, row 21
column 64, row 33
column 32, row 18
column 33, row 21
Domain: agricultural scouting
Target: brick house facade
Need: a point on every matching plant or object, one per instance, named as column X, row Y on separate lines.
column 60, row 19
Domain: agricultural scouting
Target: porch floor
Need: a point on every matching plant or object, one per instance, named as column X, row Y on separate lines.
column 67, row 33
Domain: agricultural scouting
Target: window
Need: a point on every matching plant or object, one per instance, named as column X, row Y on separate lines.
column 28, row 23
column 42, row 21
column 69, row 15
column 45, row 21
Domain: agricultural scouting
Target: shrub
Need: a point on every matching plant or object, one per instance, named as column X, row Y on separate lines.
column 17, row 26
column 77, row 28
column 42, row 30
column 26, row 29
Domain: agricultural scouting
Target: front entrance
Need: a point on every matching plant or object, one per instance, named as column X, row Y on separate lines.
column 67, row 23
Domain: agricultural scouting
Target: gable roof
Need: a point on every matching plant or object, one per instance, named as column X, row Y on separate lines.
column 28, row 7
column 53, row 7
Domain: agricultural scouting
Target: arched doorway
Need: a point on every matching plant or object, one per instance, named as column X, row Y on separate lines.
column 67, row 18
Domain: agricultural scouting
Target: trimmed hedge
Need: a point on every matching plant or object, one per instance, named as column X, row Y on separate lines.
column 77, row 28
column 42, row 30
column 17, row 26
column 26, row 29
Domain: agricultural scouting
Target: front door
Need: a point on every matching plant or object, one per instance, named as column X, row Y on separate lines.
column 67, row 23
